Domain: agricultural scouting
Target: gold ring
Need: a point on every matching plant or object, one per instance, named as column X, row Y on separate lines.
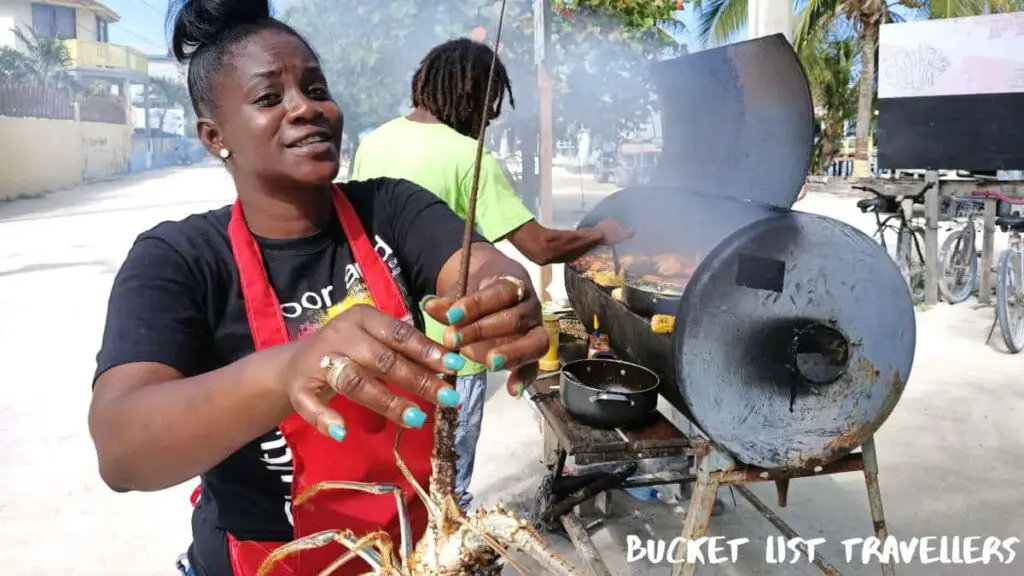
column 334, row 365
column 520, row 287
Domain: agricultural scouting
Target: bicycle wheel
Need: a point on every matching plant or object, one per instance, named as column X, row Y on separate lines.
column 958, row 268
column 910, row 259
column 1009, row 310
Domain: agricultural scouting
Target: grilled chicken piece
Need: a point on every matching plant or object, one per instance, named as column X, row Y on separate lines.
column 674, row 265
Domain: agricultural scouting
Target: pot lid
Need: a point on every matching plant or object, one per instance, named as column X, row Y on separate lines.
column 737, row 121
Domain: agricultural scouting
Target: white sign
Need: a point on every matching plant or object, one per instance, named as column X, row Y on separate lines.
column 952, row 57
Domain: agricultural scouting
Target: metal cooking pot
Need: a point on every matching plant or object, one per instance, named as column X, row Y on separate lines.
column 605, row 393
column 647, row 297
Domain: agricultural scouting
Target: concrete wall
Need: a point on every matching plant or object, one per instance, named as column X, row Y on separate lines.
column 85, row 22
column 41, row 155
column 13, row 14
column 18, row 14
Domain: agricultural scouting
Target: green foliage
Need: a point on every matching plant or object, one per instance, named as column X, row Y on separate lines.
column 167, row 93
column 44, row 60
column 830, row 63
column 371, row 48
column 15, row 67
column 632, row 14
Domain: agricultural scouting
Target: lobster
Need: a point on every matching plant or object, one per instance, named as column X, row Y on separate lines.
column 454, row 543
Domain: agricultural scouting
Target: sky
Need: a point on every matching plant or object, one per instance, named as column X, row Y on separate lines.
column 142, row 24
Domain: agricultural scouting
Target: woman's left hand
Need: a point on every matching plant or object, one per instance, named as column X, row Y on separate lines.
column 497, row 324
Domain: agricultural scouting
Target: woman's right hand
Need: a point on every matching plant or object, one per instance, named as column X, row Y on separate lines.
column 372, row 347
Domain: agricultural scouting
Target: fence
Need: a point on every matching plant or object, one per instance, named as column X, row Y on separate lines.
column 102, row 109
column 23, row 101
column 41, row 101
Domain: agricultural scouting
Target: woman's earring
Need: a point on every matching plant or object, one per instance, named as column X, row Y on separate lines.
column 224, row 153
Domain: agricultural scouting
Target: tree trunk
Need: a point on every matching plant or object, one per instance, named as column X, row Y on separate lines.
column 865, row 112
column 829, row 147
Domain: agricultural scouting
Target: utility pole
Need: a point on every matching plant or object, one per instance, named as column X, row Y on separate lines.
column 541, row 50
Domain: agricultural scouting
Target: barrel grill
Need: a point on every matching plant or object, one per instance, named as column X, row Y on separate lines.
column 795, row 334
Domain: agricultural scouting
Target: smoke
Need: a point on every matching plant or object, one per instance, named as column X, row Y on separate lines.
column 371, row 48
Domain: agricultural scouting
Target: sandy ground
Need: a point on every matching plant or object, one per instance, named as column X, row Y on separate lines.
column 950, row 455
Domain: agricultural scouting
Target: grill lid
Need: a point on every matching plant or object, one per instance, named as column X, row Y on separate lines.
column 737, row 121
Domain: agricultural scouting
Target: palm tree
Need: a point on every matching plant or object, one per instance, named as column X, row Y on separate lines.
column 830, row 63
column 168, row 93
column 15, row 67
column 722, row 19
column 47, row 59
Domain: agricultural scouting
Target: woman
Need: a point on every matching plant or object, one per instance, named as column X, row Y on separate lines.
column 214, row 362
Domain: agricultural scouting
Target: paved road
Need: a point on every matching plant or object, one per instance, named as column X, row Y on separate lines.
column 951, row 455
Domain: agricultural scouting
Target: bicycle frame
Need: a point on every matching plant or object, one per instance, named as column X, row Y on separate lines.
column 903, row 218
column 1016, row 247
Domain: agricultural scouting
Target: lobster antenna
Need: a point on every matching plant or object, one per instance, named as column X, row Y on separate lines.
column 467, row 236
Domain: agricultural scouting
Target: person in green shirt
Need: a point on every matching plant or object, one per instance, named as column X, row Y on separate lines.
column 434, row 146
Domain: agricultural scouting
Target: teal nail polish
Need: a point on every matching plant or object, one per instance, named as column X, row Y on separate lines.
column 455, row 315
column 453, row 361
column 426, row 299
column 414, row 417
column 449, row 397
column 337, row 431
column 520, row 389
column 497, row 363
column 457, row 339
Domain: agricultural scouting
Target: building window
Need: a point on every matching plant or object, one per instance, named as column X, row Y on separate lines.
column 101, row 30
column 53, row 21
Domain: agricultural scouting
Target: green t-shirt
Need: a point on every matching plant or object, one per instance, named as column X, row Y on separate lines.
column 441, row 160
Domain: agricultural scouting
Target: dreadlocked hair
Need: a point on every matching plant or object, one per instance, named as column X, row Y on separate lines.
column 451, row 84
column 204, row 31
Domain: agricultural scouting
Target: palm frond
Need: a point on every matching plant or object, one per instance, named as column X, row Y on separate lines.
column 720, row 20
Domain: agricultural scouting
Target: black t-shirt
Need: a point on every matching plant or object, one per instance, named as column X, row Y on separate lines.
column 177, row 301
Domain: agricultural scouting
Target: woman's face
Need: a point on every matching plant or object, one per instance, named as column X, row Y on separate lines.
column 274, row 112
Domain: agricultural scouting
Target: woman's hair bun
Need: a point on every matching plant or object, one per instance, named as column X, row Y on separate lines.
column 198, row 23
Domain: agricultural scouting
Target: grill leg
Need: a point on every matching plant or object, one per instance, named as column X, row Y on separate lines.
column 875, row 498
column 698, row 513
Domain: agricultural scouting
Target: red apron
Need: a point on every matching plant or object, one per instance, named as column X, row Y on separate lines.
column 365, row 455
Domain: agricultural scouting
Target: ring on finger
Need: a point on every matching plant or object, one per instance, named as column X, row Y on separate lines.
column 520, row 287
column 334, row 364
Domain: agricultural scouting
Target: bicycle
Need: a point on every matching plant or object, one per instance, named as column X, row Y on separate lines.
column 958, row 257
column 1009, row 277
column 909, row 239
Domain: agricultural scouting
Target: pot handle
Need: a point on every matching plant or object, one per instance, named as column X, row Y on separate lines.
column 605, row 396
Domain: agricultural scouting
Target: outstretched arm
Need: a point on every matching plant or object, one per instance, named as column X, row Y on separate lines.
column 501, row 215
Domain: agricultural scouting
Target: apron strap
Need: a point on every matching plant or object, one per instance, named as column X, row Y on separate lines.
column 262, row 308
column 379, row 279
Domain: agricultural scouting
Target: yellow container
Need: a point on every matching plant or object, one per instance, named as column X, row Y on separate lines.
column 550, row 363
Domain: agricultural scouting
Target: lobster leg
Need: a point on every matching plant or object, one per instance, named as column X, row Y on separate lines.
column 315, row 489
column 403, row 513
column 357, row 547
column 409, row 477
column 319, row 540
